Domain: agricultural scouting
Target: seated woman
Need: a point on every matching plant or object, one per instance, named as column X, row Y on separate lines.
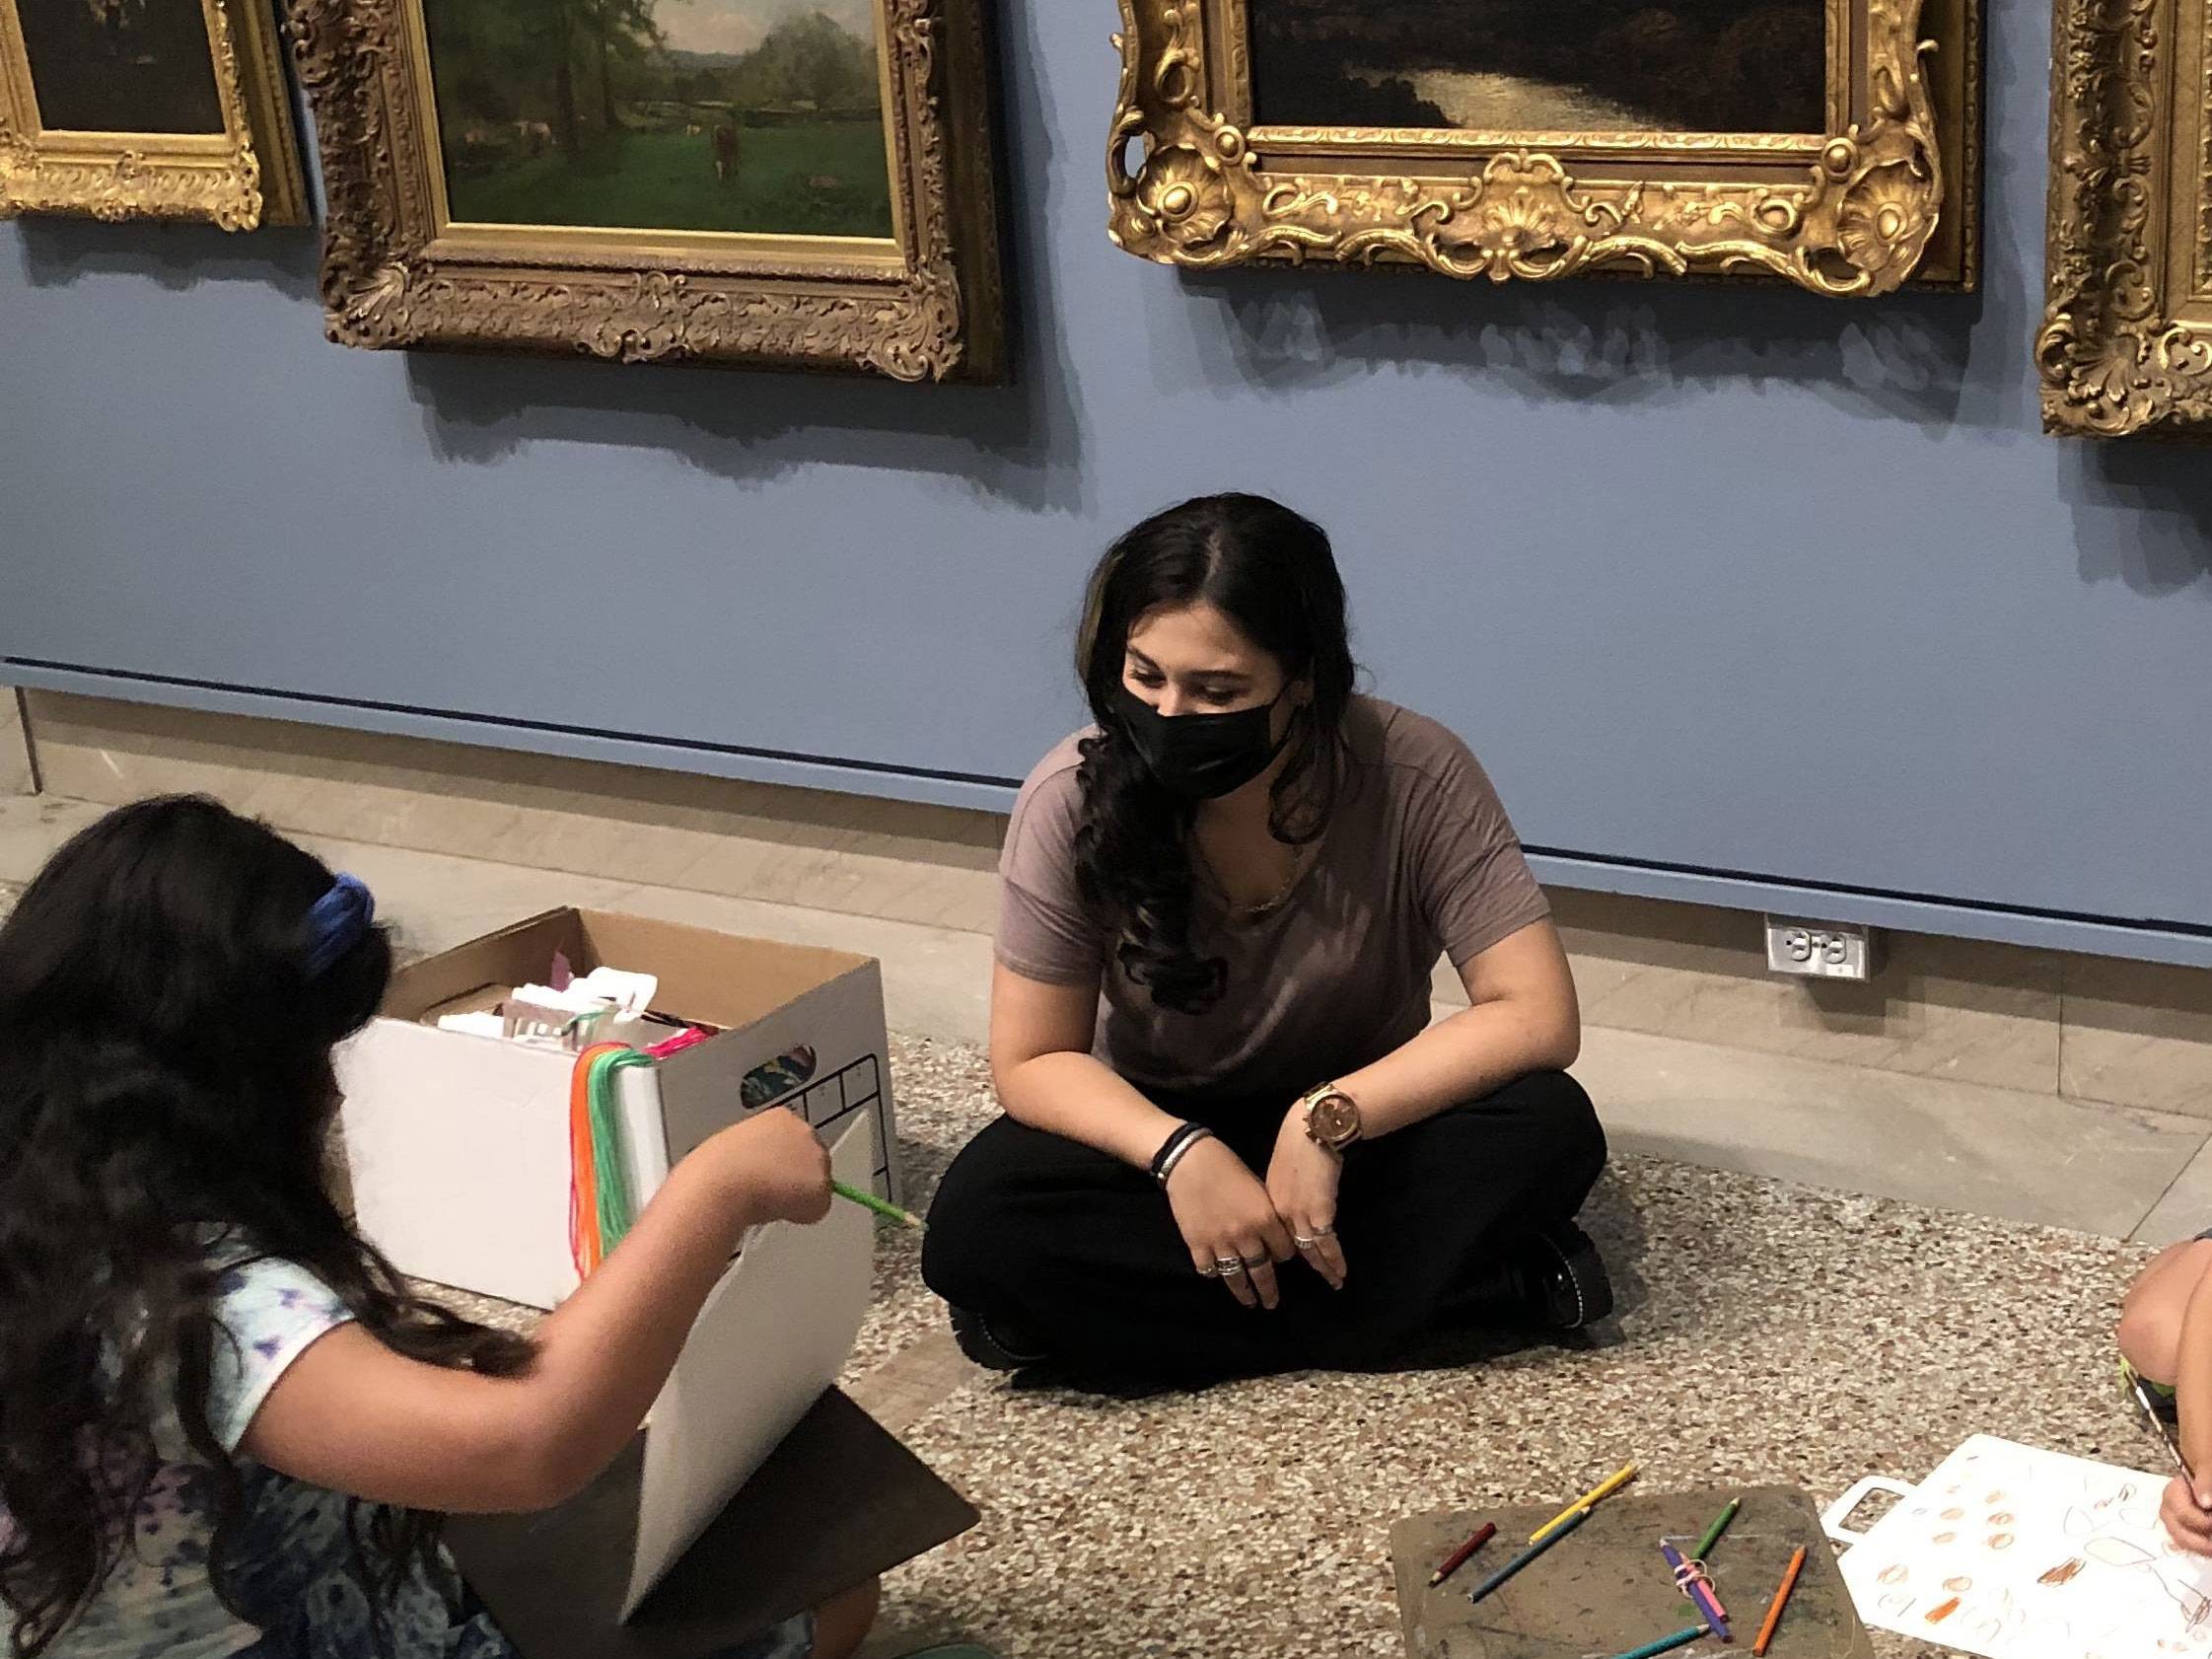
column 1259, row 868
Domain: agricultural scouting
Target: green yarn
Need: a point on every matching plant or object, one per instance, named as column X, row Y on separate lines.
column 617, row 1214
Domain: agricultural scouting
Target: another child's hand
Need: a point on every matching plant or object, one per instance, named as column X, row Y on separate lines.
column 2188, row 1522
column 778, row 1163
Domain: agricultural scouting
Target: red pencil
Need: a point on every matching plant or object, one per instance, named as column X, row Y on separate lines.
column 1483, row 1535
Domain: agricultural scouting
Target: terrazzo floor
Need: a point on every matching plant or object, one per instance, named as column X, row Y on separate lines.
column 1770, row 1333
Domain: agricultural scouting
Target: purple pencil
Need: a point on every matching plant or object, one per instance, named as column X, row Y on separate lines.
column 1700, row 1593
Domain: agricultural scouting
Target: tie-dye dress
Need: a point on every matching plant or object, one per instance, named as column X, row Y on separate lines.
column 294, row 1572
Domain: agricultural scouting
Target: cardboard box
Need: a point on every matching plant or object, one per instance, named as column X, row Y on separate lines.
column 459, row 1146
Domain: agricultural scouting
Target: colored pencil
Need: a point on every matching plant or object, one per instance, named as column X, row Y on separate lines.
column 1713, row 1532
column 869, row 1201
column 1781, row 1601
column 2158, row 1427
column 1665, row 1645
column 1458, row 1558
column 1587, row 1501
column 1527, row 1556
column 1700, row 1595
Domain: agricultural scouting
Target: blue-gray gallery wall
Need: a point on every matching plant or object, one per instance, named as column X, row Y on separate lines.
column 1740, row 592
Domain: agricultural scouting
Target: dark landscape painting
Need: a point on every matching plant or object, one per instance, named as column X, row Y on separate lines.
column 740, row 115
column 121, row 65
column 1543, row 65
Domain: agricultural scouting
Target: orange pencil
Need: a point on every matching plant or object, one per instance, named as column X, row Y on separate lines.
column 1781, row 1601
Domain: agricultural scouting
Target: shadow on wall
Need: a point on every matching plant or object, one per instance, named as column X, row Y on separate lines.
column 1019, row 442
column 1616, row 340
column 56, row 251
column 1957, row 365
column 2142, row 512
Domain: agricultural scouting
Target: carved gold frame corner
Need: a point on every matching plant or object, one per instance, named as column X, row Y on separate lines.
column 246, row 176
column 1890, row 193
column 926, row 305
column 2126, row 342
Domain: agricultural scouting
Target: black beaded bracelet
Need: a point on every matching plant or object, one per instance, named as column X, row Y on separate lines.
column 1171, row 1151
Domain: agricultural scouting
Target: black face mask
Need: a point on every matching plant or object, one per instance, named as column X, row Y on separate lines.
column 1202, row 757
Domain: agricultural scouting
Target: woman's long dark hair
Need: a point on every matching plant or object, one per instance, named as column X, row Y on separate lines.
column 1271, row 572
column 165, row 1076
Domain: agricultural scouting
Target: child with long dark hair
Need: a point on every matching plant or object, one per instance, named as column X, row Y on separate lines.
column 1220, row 910
column 227, row 1424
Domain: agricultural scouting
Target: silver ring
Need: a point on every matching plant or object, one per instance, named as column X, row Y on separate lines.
column 1325, row 1231
column 1229, row 1267
column 1305, row 1244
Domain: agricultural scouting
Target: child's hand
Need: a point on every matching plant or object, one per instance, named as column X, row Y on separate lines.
column 778, row 1163
column 2188, row 1522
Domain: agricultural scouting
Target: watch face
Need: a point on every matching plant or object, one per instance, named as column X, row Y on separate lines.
column 1334, row 1120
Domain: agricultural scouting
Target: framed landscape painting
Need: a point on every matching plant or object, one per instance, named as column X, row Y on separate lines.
column 1834, row 144
column 147, row 109
column 787, row 183
column 2126, row 342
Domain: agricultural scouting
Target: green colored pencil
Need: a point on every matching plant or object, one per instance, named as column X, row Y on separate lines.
column 1665, row 1645
column 869, row 1201
column 1713, row 1532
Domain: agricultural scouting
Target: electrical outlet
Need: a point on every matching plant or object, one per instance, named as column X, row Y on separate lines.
column 1819, row 950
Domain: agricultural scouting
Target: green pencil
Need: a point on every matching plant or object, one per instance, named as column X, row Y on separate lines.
column 1713, row 1532
column 1665, row 1645
column 869, row 1201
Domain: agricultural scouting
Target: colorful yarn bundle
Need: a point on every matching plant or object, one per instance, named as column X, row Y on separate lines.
column 600, row 1207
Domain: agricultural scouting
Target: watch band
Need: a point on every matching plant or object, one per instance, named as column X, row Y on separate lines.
column 1175, row 1147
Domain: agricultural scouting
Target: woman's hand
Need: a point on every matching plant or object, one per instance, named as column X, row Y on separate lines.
column 1302, row 1183
column 1225, row 1215
column 2187, row 1521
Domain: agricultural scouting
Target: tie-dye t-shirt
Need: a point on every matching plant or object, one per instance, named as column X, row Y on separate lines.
column 294, row 1564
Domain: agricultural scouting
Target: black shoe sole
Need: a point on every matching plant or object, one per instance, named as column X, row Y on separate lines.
column 1581, row 1292
column 983, row 1345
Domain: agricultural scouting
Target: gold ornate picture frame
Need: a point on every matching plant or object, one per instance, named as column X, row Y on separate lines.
column 402, row 269
column 225, row 151
column 2126, row 342
column 1888, row 194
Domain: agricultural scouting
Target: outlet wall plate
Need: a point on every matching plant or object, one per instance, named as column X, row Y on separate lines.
column 1819, row 950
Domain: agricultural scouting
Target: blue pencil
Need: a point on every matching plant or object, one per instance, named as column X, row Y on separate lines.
column 1665, row 1645
column 1529, row 1554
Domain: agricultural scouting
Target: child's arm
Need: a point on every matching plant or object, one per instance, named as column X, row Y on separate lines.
column 352, row 1415
column 2191, row 1521
column 2192, row 1377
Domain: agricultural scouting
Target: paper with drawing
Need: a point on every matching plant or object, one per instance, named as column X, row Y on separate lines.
column 774, row 1335
column 2017, row 1553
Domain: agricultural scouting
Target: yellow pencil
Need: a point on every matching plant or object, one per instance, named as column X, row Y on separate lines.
column 1595, row 1495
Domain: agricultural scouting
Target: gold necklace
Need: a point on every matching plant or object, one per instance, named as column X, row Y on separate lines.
column 1265, row 906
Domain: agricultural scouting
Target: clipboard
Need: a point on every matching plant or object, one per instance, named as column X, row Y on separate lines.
column 838, row 1502
column 1607, row 1590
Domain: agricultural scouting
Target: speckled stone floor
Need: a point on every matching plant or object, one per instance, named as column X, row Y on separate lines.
column 1770, row 1333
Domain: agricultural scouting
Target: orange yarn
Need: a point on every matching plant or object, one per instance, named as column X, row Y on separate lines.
column 585, row 1244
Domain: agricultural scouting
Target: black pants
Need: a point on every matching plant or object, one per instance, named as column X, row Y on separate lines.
column 1077, row 1251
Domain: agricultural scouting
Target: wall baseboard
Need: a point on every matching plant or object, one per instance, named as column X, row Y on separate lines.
column 2089, row 1027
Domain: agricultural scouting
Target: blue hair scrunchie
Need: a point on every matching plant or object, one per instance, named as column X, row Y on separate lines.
column 337, row 922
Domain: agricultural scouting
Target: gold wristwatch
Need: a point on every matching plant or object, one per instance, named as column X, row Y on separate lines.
column 1333, row 1118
